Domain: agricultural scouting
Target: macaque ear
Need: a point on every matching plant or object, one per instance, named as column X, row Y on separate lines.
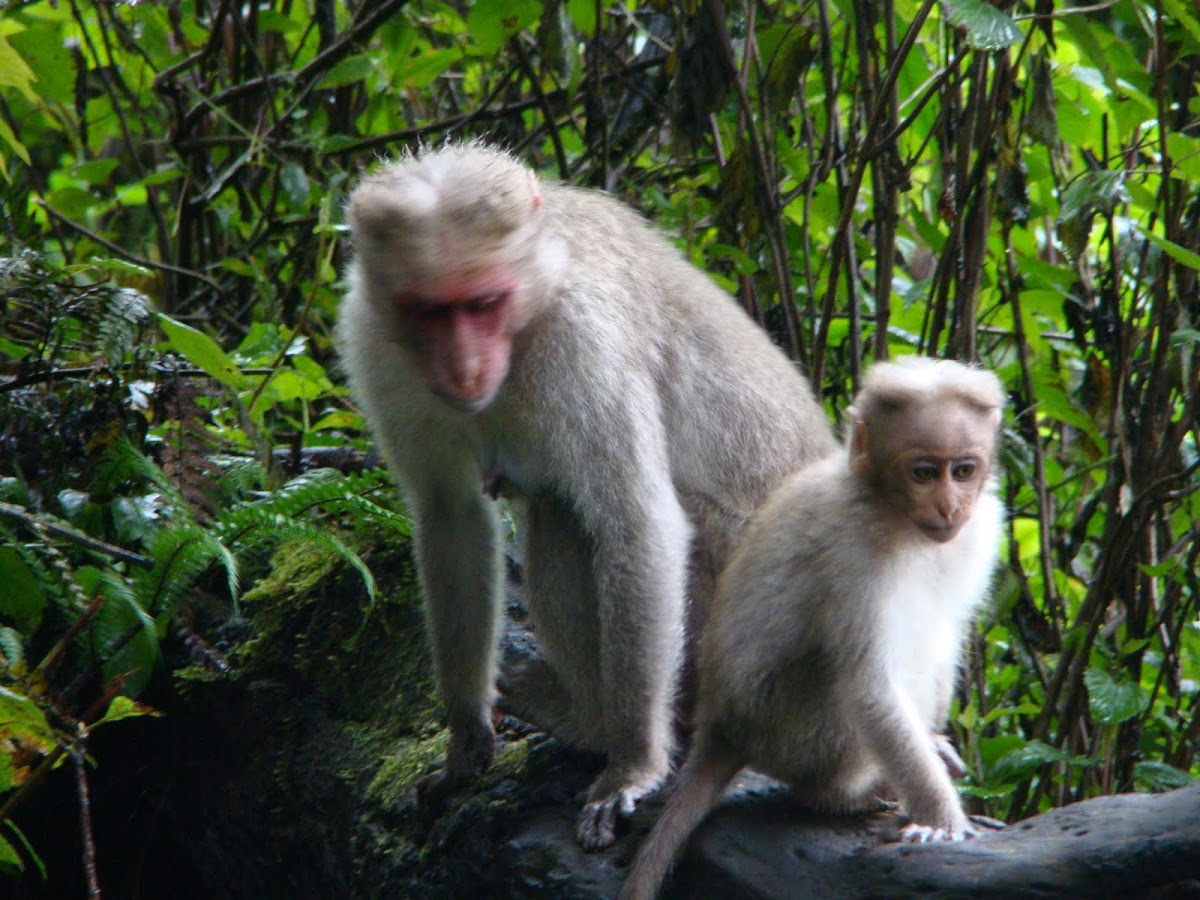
column 859, row 451
column 373, row 212
column 537, row 193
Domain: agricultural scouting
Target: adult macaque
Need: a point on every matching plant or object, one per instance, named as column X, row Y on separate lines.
column 505, row 333
column 833, row 644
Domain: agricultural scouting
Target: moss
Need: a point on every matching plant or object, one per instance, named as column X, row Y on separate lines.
column 397, row 775
column 297, row 568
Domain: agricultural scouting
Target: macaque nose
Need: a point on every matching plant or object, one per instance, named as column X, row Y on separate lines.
column 947, row 508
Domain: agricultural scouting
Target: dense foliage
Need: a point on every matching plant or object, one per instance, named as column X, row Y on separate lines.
column 1012, row 182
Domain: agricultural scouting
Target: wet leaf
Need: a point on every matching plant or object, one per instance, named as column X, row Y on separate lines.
column 986, row 27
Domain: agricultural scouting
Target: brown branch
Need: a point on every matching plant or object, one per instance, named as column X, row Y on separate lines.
column 121, row 251
column 16, row 513
column 85, row 817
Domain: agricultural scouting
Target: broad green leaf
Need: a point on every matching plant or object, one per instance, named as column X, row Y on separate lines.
column 348, row 71
column 203, row 352
column 986, row 27
column 15, row 72
column 1173, row 250
column 30, row 853
column 21, row 598
column 8, row 136
column 10, row 860
column 123, row 707
column 1093, row 192
column 1179, row 11
column 295, row 182
column 22, row 717
column 1158, row 776
column 492, row 22
column 420, row 70
column 583, row 14
column 1184, row 337
column 1025, row 761
column 1113, row 701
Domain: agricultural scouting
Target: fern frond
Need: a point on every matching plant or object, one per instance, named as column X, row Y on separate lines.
column 123, row 314
column 181, row 552
column 123, row 461
column 250, row 526
column 332, row 492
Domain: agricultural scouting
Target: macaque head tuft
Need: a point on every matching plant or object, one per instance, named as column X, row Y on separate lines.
column 923, row 439
column 450, row 249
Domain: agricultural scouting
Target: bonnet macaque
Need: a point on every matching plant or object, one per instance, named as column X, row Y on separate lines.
column 832, row 647
column 506, row 334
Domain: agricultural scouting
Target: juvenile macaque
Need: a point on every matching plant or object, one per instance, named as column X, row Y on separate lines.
column 832, row 647
column 506, row 334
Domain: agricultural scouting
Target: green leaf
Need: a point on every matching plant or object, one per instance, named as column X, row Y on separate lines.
column 10, row 137
column 1112, row 701
column 1158, row 776
column 1184, row 337
column 583, row 14
column 1179, row 254
column 21, row 716
column 1024, row 761
column 1093, row 192
column 21, row 597
column 986, row 27
column 1178, row 10
column 29, row 851
column 203, row 352
column 348, row 71
column 15, row 72
column 10, row 860
column 492, row 22
column 418, row 71
column 295, row 182
column 123, row 707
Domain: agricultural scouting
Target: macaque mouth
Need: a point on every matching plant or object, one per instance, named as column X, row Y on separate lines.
column 938, row 531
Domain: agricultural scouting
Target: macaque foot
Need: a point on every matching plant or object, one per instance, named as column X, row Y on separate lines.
column 596, row 827
column 471, row 749
column 531, row 691
column 914, row 833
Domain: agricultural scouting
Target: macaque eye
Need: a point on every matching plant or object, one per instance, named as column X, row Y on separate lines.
column 963, row 471
column 484, row 303
column 429, row 312
column 924, row 473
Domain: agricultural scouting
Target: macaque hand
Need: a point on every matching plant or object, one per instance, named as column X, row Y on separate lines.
column 949, row 756
column 915, row 833
column 472, row 746
column 614, row 793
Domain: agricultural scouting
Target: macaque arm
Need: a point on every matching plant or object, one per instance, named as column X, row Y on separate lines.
column 458, row 546
column 903, row 744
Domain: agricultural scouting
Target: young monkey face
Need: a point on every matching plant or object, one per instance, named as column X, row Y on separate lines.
column 941, row 490
column 932, row 467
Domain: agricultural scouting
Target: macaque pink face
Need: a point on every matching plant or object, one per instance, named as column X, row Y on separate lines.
column 463, row 341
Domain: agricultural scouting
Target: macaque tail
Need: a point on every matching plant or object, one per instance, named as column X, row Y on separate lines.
column 702, row 780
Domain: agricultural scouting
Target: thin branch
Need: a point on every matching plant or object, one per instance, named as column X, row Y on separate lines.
column 16, row 513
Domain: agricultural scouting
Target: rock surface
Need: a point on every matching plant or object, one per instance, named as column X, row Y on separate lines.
column 760, row 844
column 293, row 775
